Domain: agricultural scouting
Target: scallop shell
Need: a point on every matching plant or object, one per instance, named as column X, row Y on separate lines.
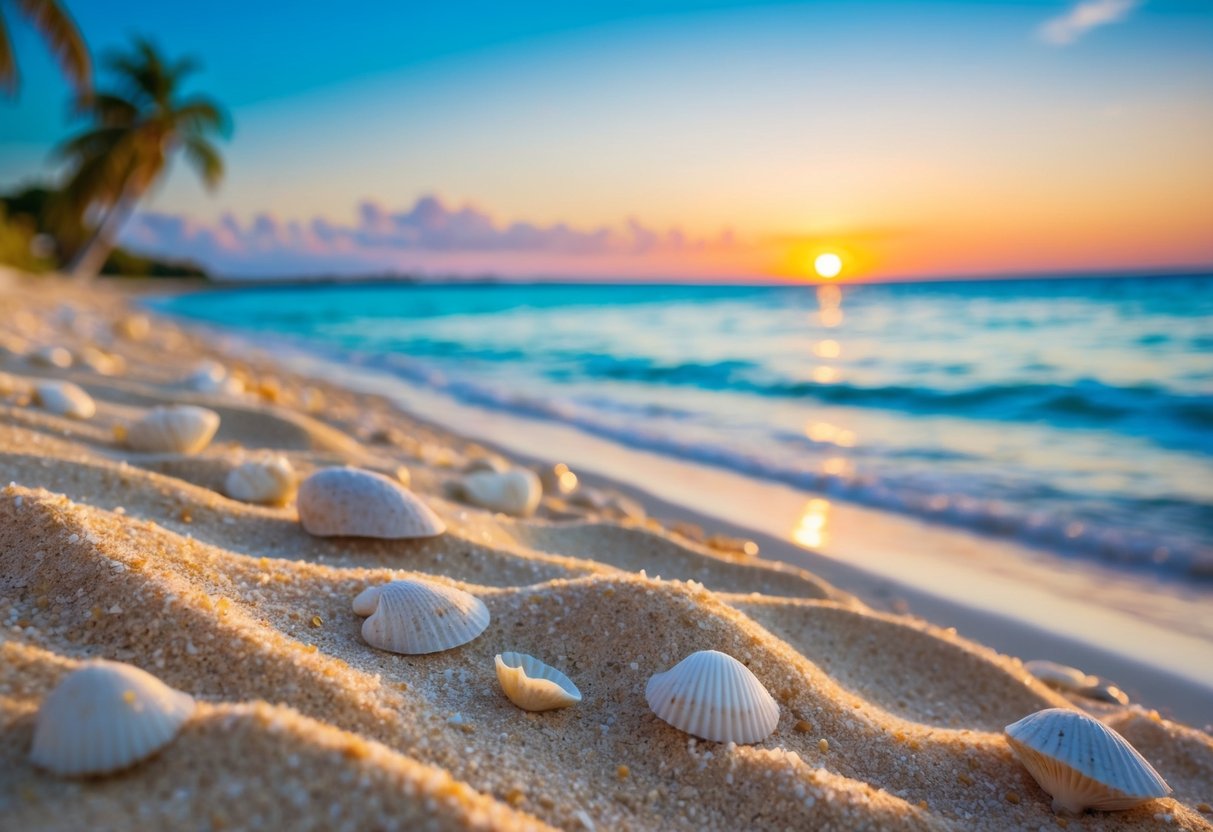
column 418, row 617
column 51, row 357
column 1083, row 763
column 271, row 481
column 179, row 428
column 106, row 716
column 532, row 685
column 65, row 398
column 350, row 502
column 515, row 492
column 715, row 697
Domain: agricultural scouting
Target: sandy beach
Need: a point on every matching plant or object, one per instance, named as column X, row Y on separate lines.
column 885, row 721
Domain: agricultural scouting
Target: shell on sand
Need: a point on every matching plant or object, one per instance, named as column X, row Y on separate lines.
column 12, row 384
column 100, row 362
column 351, row 502
column 1083, row 763
column 212, row 377
column 51, row 357
column 1060, row 676
column 104, row 717
column 133, row 327
column 366, row 601
column 715, row 697
column 65, row 398
column 270, row 481
column 418, row 617
column 516, row 492
column 532, row 685
column 487, row 463
column 558, row 479
column 179, row 428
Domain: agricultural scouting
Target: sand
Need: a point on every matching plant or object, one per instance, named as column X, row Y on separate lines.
column 886, row 721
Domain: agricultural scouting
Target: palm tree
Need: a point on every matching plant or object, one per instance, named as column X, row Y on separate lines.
column 55, row 25
column 138, row 127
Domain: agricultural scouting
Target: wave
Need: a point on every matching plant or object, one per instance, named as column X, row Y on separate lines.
column 1061, row 531
column 1084, row 403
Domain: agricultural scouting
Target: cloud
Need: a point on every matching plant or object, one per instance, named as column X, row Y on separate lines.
column 1082, row 18
column 428, row 236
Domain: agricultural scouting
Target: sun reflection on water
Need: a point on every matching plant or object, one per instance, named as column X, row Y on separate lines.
column 810, row 532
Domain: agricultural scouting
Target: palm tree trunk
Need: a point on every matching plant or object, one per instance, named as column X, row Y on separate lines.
column 88, row 261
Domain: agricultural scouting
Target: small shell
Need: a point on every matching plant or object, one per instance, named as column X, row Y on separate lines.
column 133, row 327
column 106, row 716
column 1083, row 763
column 715, row 697
column 1060, row 676
column 100, row 362
column 212, row 377
column 179, row 428
column 366, row 601
column 51, row 357
column 558, row 480
column 532, row 685
column 350, row 502
column 65, row 398
column 270, row 481
column 515, row 492
column 418, row 617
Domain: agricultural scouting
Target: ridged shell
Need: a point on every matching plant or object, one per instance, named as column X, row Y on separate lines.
column 1083, row 763
column 516, row 492
column 350, row 502
column 65, row 398
column 418, row 617
column 270, row 481
column 104, row 717
column 715, row 697
column 51, row 357
column 532, row 685
column 179, row 428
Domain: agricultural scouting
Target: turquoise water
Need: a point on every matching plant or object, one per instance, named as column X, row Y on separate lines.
column 1074, row 415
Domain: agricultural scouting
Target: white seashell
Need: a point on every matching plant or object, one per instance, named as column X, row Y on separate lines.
column 715, row 697
column 106, row 716
column 1083, row 763
column 212, row 377
column 1060, row 676
column 417, row 617
column 515, row 492
column 51, row 357
column 271, row 481
column 350, row 502
column 532, row 685
column 366, row 601
column 179, row 428
column 65, row 398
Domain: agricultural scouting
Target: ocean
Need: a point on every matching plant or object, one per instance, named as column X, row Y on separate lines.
column 1071, row 415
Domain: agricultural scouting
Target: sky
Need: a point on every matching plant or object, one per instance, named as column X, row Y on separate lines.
column 699, row 140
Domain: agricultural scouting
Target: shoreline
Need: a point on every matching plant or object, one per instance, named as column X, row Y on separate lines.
column 885, row 721
column 1147, row 635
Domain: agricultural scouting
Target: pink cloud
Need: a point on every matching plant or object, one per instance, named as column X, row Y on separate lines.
column 428, row 237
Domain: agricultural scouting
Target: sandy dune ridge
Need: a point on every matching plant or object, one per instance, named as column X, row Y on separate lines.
column 886, row 722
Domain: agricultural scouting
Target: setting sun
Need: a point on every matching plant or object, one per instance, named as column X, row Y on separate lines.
column 828, row 264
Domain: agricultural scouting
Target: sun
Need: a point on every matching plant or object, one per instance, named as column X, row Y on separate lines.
column 828, row 265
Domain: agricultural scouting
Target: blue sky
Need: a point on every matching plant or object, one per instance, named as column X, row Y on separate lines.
column 741, row 138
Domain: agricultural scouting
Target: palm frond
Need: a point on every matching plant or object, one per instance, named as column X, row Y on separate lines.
column 201, row 115
column 62, row 38
column 204, row 158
